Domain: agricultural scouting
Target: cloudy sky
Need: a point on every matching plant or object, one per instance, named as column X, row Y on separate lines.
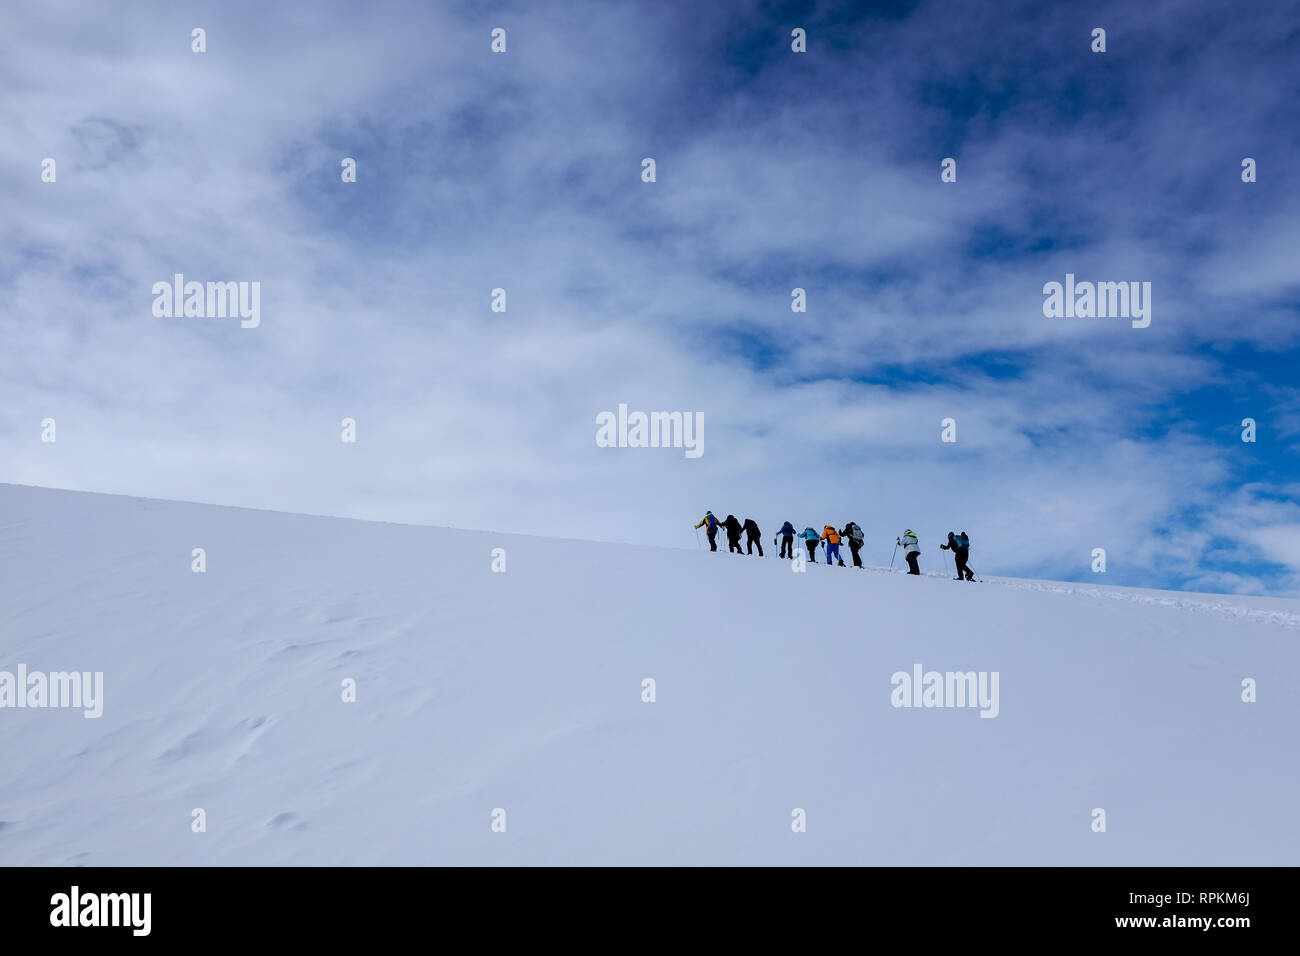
column 775, row 170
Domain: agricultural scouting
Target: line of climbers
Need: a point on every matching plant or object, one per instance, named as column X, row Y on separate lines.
column 958, row 542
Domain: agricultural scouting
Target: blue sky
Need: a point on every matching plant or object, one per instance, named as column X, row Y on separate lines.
column 776, row 170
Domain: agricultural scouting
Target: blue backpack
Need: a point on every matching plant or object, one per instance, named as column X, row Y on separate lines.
column 963, row 542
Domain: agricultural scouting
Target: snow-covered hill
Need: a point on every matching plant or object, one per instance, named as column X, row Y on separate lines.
column 523, row 691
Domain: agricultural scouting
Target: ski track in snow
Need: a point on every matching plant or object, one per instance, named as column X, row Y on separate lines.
column 1221, row 609
column 1225, row 609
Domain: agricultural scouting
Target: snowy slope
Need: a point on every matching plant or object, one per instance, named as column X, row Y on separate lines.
column 522, row 691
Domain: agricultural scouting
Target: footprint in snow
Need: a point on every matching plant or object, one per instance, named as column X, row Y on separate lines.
column 285, row 821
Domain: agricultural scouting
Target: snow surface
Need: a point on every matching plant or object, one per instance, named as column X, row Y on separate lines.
column 522, row 691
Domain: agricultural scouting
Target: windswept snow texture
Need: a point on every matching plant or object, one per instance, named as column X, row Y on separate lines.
column 523, row 691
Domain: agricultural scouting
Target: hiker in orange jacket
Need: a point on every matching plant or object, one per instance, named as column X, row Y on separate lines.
column 832, row 539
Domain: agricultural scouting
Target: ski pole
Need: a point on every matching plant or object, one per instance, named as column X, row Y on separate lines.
column 892, row 556
column 697, row 539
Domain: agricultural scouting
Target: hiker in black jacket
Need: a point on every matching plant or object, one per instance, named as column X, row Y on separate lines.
column 853, row 533
column 753, row 537
column 734, row 528
column 959, row 545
